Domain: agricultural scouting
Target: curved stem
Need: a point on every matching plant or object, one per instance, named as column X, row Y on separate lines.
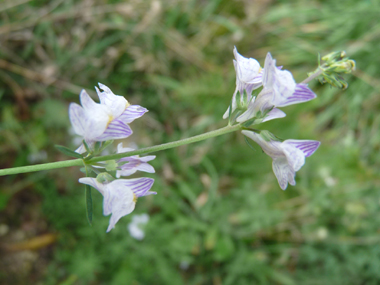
column 313, row 76
column 164, row 146
column 79, row 162
column 39, row 167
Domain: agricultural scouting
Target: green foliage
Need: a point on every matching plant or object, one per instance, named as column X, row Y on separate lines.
column 219, row 216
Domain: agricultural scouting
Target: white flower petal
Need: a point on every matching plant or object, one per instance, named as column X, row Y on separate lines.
column 86, row 101
column 271, row 148
column 94, row 183
column 125, row 172
column 132, row 113
column 274, row 114
column 269, row 72
column 302, row 93
column 147, row 158
column 246, row 68
column 118, row 200
column 146, row 167
column 116, row 103
column 283, row 172
column 283, row 86
column 117, row 129
column 77, row 118
column 295, row 157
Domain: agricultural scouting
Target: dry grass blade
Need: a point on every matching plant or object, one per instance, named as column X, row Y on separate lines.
column 10, row 4
column 36, row 76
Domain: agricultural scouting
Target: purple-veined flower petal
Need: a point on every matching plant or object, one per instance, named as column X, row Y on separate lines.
column 132, row 113
column 283, row 172
column 87, row 102
column 269, row 70
column 132, row 166
column 301, row 94
column 295, row 157
column 139, row 186
column 95, row 117
column 119, row 203
column 246, row 68
column 143, row 166
column 147, row 158
column 77, row 118
column 116, row 103
column 283, row 86
column 117, row 129
column 288, row 156
column 133, row 163
column 308, row 147
column 274, row 114
column 248, row 78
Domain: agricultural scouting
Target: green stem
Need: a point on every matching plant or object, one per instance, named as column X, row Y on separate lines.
column 313, row 76
column 39, row 167
column 79, row 162
column 164, row 146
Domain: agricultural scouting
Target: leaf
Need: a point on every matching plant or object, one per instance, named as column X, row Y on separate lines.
column 68, row 151
column 88, row 204
column 97, row 146
column 87, row 147
column 248, row 123
column 249, row 143
column 105, row 145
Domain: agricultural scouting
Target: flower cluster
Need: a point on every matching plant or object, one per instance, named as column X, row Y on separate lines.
column 106, row 121
column 279, row 89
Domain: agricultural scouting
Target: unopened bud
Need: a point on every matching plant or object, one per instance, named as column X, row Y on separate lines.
column 334, row 56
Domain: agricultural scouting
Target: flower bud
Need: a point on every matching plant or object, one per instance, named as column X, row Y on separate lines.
column 334, row 56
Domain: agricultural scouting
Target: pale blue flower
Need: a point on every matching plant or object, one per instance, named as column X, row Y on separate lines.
column 120, row 195
column 107, row 120
column 248, row 78
column 280, row 90
column 288, row 156
column 129, row 165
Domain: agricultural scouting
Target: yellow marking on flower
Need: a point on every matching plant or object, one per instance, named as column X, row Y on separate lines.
column 134, row 198
column 260, row 69
column 127, row 104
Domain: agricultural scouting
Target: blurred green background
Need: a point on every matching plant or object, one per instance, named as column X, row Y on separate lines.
column 219, row 216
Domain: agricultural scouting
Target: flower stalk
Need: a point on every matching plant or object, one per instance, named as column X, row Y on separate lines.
column 80, row 162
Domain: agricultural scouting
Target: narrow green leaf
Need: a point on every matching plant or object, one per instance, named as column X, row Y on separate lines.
column 248, row 123
column 68, row 151
column 97, row 146
column 88, row 149
column 88, row 203
column 249, row 143
column 105, row 145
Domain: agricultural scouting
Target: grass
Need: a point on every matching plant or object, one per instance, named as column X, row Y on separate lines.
column 219, row 216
